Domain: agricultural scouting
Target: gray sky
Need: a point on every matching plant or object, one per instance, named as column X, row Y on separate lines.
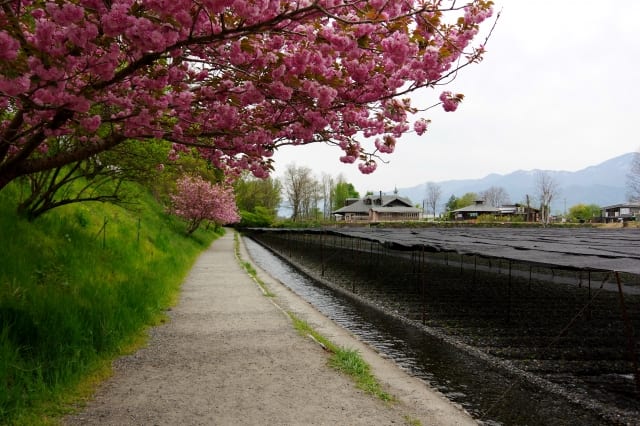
column 557, row 90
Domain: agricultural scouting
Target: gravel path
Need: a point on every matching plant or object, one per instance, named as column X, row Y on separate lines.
column 230, row 356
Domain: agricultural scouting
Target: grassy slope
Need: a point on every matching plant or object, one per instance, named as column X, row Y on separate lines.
column 75, row 293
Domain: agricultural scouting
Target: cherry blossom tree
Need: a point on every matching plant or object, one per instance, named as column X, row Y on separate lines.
column 235, row 78
column 196, row 200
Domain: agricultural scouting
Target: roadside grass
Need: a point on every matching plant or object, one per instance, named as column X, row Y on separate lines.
column 248, row 267
column 78, row 287
column 304, row 329
column 410, row 421
column 348, row 361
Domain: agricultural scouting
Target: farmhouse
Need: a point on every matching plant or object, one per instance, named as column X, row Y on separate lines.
column 378, row 208
column 520, row 212
column 473, row 211
column 621, row 212
column 480, row 208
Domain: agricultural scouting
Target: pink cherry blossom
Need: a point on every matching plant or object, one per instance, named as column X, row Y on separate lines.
column 387, row 145
column 420, row 126
column 196, row 200
column 234, row 79
column 367, row 167
column 8, row 47
column 449, row 101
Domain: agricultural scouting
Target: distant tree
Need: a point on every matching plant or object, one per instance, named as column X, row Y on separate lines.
column 584, row 212
column 432, row 195
column 530, row 215
column 311, row 202
column 455, row 203
column 301, row 190
column 451, row 204
column 259, row 218
column 547, row 189
column 495, row 196
column 327, row 185
column 341, row 192
column 466, row 200
column 252, row 193
column 196, row 200
column 633, row 179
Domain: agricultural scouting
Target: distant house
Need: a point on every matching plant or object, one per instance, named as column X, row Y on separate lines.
column 472, row 212
column 378, row 208
column 480, row 208
column 520, row 211
column 621, row 212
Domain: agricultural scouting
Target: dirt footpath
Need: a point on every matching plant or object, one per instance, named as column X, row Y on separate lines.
column 230, row 356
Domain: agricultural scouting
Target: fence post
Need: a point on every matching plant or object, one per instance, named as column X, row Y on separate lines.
column 104, row 233
column 628, row 330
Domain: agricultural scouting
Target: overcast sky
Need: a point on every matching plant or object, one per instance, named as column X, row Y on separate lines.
column 558, row 90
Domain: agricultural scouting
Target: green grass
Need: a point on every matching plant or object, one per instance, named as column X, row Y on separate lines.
column 75, row 293
column 410, row 421
column 348, row 361
column 304, row 329
column 248, row 267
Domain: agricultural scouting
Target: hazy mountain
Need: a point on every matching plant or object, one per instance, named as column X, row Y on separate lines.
column 602, row 184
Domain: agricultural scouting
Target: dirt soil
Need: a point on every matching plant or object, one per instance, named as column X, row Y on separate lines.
column 230, row 356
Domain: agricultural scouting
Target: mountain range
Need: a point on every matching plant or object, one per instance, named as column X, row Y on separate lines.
column 602, row 184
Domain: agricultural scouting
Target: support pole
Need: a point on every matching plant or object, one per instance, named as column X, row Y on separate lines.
column 354, row 260
column 628, row 330
column 475, row 268
column 509, row 296
column 322, row 254
column 423, row 283
column 589, row 284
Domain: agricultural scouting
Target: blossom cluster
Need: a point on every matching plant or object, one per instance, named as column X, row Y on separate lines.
column 196, row 199
column 237, row 79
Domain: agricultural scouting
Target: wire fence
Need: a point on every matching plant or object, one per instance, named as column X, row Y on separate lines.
column 574, row 324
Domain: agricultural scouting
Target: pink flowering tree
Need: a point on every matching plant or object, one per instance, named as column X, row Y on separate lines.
column 234, row 78
column 196, row 200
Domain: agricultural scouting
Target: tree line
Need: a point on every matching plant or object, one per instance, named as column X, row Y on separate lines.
column 545, row 191
column 307, row 196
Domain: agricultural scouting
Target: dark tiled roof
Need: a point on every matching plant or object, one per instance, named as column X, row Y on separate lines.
column 616, row 206
column 387, row 202
column 398, row 209
column 480, row 208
